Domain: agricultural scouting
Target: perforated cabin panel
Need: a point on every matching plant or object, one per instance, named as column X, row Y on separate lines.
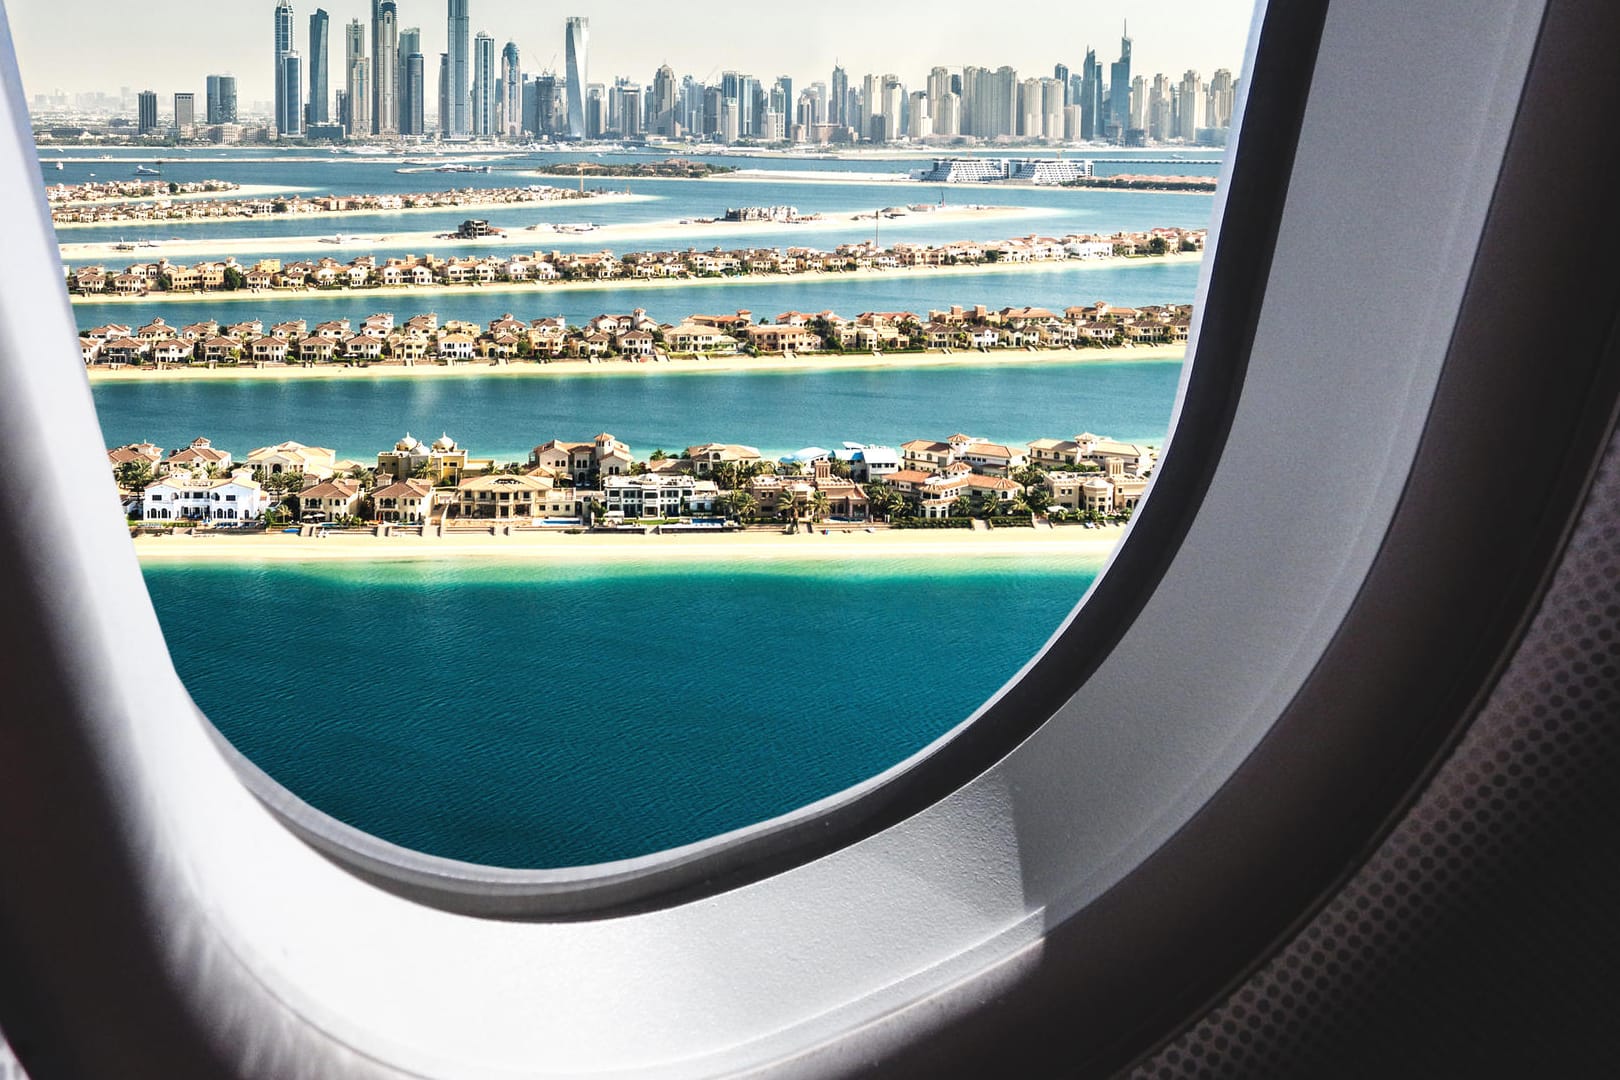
column 1483, row 936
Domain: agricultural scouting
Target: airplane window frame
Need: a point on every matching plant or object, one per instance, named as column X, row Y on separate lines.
column 87, row 685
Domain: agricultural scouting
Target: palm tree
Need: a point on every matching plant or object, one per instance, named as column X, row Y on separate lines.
column 743, row 505
column 819, row 505
column 962, row 505
column 787, row 505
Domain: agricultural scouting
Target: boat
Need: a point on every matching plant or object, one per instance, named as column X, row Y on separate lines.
column 142, row 170
column 58, row 166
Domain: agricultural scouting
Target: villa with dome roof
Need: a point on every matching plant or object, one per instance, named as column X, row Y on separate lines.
column 442, row 461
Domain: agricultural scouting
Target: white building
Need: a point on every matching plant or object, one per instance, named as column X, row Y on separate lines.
column 183, row 497
column 658, row 496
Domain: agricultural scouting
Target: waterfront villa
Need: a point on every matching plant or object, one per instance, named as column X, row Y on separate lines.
column 294, row 457
column 603, row 456
column 442, row 462
column 182, row 496
column 705, row 456
column 330, row 500
column 406, row 502
column 502, row 496
column 658, row 495
column 199, row 455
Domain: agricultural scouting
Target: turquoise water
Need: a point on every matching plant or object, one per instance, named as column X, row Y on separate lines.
column 779, row 413
column 542, row 716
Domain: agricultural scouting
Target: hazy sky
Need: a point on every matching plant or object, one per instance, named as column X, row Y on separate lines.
column 169, row 45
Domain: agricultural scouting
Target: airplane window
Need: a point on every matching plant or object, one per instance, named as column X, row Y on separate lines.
column 548, row 443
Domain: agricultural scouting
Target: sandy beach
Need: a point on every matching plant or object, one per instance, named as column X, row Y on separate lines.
column 717, row 365
column 754, row 546
column 541, row 238
column 426, row 294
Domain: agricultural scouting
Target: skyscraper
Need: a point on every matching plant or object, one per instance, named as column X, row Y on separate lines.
column 221, row 99
column 408, row 41
column 376, row 40
column 663, row 101
column 460, row 89
column 385, row 72
column 185, row 113
column 284, row 46
column 291, row 120
column 576, row 59
column 413, row 96
column 1091, row 118
column 838, row 111
column 320, row 87
column 1119, row 91
column 483, row 86
column 146, row 112
column 444, row 95
column 511, row 91
column 357, row 80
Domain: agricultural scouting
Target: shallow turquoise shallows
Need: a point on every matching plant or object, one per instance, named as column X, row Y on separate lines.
column 536, row 716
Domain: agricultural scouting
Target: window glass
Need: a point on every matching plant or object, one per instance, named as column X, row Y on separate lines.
column 553, row 439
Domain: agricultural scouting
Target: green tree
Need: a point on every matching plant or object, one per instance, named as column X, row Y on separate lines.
column 962, row 505
column 1158, row 246
column 819, row 506
column 134, row 475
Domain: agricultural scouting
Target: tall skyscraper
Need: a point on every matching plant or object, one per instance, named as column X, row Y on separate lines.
column 460, row 91
column 376, row 40
column 1119, row 90
column 408, row 40
column 284, row 46
column 483, row 86
column 146, row 112
column 511, row 91
column 1091, row 118
column 185, row 112
column 222, row 99
column 385, row 72
column 444, row 95
column 577, row 61
column 320, row 50
column 357, row 80
column 291, row 120
column 663, row 101
column 413, row 96
column 838, row 111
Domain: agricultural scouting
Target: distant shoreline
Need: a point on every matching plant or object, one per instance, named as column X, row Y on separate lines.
column 282, row 296
column 754, row 546
column 718, row 365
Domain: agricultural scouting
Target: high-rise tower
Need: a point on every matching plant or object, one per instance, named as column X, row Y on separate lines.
column 320, row 50
column 578, row 69
column 409, row 41
column 460, row 90
column 511, row 91
column 357, row 79
column 385, row 72
column 284, row 46
column 222, row 99
column 1119, row 90
column 483, row 86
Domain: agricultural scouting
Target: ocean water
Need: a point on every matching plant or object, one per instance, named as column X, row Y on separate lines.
column 505, row 417
column 545, row 716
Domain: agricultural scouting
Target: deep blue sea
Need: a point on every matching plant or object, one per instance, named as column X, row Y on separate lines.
column 543, row 716
column 540, row 716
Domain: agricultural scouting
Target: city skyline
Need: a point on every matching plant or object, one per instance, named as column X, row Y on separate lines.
column 1171, row 36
